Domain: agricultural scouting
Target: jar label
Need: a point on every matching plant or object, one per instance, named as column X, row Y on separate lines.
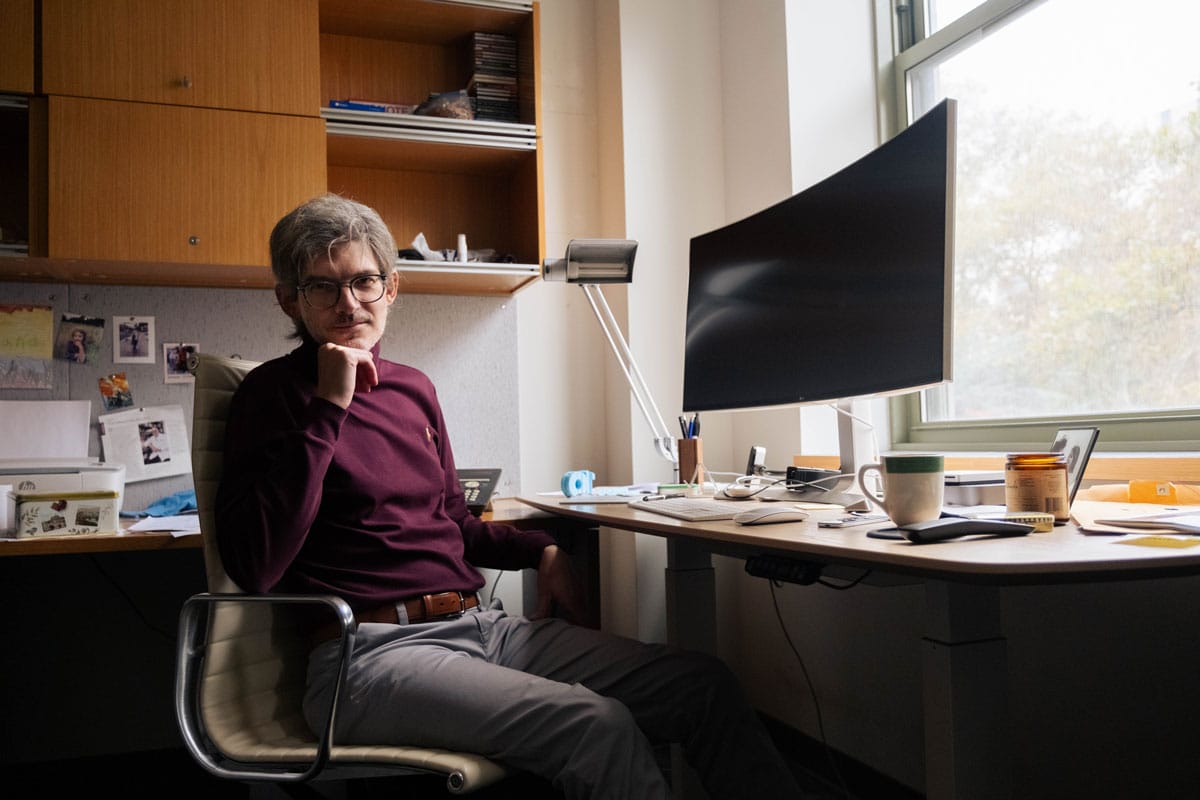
column 1037, row 490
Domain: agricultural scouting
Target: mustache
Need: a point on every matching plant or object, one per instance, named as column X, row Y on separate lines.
column 350, row 319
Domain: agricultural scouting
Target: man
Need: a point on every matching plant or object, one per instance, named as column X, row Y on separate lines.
column 339, row 478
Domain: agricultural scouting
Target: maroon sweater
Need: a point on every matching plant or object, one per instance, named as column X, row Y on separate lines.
column 363, row 503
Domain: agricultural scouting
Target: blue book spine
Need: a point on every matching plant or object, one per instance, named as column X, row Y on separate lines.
column 356, row 106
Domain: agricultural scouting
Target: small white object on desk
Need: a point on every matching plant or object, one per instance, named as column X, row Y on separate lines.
column 181, row 525
column 768, row 513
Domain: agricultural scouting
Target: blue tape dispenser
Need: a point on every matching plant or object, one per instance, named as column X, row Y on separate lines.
column 577, row 482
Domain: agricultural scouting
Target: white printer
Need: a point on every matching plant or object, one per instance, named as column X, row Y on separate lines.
column 50, row 475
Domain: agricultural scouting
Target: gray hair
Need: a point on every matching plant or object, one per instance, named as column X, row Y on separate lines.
column 318, row 228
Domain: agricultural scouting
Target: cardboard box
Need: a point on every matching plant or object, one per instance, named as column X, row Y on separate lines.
column 66, row 514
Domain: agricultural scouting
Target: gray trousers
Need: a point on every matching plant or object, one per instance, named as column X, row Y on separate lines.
column 574, row 705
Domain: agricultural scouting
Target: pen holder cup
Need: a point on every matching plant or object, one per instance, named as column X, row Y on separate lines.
column 691, row 460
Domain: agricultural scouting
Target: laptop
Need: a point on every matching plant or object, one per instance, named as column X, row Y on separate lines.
column 974, row 477
column 1077, row 443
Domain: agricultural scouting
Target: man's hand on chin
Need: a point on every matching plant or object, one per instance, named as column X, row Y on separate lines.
column 342, row 371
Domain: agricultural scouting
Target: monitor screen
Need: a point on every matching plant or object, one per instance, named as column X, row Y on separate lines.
column 842, row 290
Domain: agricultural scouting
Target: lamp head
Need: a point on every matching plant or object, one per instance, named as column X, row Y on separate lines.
column 593, row 261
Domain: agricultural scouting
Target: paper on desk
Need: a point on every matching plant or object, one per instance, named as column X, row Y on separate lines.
column 182, row 525
column 1087, row 514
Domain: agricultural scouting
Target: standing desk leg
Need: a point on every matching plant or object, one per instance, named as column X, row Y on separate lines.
column 691, row 597
column 691, row 624
column 966, row 690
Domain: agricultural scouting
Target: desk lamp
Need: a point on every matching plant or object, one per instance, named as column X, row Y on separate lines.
column 590, row 262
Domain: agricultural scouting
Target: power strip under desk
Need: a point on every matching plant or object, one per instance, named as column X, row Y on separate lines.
column 787, row 569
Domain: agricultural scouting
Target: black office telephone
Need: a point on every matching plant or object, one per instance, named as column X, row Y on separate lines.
column 478, row 485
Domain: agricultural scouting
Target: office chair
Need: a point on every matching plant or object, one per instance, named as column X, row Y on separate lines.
column 242, row 658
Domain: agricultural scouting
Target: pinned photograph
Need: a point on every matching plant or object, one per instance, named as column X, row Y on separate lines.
column 156, row 446
column 175, row 358
column 115, row 392
column 79, row 338
column 133, row 340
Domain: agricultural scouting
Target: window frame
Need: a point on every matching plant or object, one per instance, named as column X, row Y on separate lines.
column 902, row 44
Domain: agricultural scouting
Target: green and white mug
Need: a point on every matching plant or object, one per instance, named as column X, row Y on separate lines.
column 914, row 486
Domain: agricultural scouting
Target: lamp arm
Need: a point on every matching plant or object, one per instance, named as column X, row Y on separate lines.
column 664, row 441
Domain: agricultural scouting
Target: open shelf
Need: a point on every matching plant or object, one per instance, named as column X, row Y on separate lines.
column 416, row 277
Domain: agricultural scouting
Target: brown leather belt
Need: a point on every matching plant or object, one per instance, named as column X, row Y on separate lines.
column 426, row 608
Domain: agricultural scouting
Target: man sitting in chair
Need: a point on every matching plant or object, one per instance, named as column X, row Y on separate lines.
column 339, row 478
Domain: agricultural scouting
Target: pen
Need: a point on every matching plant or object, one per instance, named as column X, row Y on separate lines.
column 683, row 426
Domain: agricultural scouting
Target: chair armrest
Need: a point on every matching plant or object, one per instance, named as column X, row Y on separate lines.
column 195, row 622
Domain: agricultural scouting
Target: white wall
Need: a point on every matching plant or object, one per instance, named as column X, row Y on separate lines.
column 1102, row 692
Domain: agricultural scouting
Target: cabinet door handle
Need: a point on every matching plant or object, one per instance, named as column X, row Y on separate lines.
column 193, row 240
column 185, row 82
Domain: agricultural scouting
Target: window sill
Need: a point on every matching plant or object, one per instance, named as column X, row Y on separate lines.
column 1176, row 467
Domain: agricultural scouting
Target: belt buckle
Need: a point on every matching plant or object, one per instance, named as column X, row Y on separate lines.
column 441, row 606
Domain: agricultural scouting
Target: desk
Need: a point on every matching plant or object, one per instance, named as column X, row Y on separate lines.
column 97, row 543
column 964, row 650
column 126, row 541
column 89, row 652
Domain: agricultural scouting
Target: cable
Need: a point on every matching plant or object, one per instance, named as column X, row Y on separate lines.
column 816, row 483
column 865, row 423
column 748, row 480
column 812, row 693
column 170, row 637
column 841, row 587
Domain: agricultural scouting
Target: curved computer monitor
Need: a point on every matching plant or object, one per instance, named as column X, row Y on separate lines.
column 840, row 291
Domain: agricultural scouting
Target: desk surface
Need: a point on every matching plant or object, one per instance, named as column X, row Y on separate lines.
column 508, row 511
column 97, row 543
column 1063, row 555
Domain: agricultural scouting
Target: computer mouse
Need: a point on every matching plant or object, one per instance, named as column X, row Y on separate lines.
column 764, row 514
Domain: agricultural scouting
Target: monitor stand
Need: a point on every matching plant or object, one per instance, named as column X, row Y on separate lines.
column 854, row 448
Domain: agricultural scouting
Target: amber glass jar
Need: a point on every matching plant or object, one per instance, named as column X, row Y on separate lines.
column 1037, row 482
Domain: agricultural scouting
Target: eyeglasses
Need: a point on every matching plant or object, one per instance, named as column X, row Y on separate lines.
column 322, row 294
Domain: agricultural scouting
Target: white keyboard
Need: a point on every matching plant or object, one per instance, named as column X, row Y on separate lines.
column 691, row 509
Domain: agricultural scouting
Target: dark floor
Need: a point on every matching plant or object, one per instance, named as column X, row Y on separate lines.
column 173, row 773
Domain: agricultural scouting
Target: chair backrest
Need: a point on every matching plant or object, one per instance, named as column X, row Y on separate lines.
column 241, row 674
column 253, row 678
column 217, row 379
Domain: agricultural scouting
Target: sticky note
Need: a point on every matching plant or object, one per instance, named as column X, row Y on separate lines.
column 1161, row 541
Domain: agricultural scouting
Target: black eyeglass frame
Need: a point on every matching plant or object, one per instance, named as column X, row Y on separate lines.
column 304, row 287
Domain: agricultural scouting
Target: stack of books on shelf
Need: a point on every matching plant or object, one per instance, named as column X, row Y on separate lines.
column 493, row 84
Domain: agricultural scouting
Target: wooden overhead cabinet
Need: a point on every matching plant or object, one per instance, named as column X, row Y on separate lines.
column 252, row 55
column 16, row 55
column 177, row 133
column 146, row 182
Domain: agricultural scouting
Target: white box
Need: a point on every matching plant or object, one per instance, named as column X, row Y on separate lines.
column 66, row 514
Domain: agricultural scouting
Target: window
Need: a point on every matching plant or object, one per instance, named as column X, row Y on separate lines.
column 1077, row 252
